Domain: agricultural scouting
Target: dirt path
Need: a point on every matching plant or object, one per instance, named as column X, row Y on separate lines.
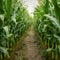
column 32, row 50
column 29, row 49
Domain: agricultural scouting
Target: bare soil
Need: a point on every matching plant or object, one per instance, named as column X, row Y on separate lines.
column 32, row 49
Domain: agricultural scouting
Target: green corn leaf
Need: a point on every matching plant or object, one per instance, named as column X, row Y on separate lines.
column 14, row 19
column 4, row 51
column 49, row 49
column 57, row 37
column 53, row 19
column 6, row 30
column 9, row 35
column 2, row 17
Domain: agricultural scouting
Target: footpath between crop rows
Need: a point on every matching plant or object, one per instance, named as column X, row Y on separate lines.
column 28, row 49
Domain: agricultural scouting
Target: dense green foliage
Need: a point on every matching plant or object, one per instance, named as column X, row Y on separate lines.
column 14, row 19
column 47, row 23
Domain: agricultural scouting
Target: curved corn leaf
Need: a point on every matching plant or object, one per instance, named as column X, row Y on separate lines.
column 54, row 20
column 4, row 51
column 6, row 30
column 2, row 17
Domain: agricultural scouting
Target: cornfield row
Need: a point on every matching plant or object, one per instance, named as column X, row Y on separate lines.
column 47, row 24
column 14, row 20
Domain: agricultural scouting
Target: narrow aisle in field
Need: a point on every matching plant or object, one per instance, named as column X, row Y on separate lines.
column 32, row 50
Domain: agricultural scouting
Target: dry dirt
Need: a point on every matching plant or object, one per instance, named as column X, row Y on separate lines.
column 32, row 50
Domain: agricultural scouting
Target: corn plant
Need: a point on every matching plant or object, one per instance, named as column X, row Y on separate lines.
column 14, row 20
column 47, row 17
